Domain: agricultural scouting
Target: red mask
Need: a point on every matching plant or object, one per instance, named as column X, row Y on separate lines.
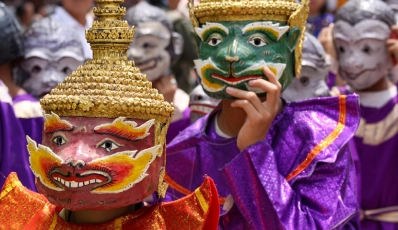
column 96, row 163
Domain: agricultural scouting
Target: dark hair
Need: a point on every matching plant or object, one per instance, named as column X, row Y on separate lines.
column 355, row 11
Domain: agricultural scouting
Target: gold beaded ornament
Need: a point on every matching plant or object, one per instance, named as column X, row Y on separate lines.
column 109, row 85
column 287, row 11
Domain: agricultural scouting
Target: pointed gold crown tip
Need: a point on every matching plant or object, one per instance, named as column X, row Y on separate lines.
column 109, row 85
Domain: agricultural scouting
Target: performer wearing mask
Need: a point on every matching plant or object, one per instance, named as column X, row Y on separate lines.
column 155, row 49
column 13, row 153
column 52, row 51
column 276, row 165
column 314, row 72
column 103, row 149
column 360, row 34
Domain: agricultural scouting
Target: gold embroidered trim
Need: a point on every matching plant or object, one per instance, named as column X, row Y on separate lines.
column 202, row 200
column 54, row 223
column 118, row 224
column 9, row 188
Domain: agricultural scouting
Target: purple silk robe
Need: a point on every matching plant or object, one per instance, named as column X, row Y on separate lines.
column 377, row 145
column 29, row 113
column 300, row 177
column 14, row 156
column 176, row 127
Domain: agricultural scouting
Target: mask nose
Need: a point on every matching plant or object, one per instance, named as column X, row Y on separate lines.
column 135, row 53
column 52, row 77
column 80, row 153
column 76, row 163
column 232, row 59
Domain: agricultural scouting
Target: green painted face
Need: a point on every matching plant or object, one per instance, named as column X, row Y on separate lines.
column 233, row 53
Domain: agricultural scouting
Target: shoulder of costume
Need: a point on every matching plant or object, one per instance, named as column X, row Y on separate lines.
column 19, row 205
column 199, row 209
column 192, row 133
column 26, row 106
column 317, row 130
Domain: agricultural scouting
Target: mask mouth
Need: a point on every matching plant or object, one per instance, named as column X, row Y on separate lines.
column 200, row 108
column 354, row 76
column 236, row 80
column 148, row 64
column 85, row 180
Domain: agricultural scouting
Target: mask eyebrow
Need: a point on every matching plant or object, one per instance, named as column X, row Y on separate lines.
column 52, row 123
column 206, row 30
column 273, row 31
column 127, row 130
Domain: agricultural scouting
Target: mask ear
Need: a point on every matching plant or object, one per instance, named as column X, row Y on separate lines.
column 292, row 38
column 197, row 38
column 178, row 43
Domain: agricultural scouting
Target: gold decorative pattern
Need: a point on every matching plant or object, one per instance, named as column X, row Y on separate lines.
column 162, row 186
column 109, row 85
column 287, row 11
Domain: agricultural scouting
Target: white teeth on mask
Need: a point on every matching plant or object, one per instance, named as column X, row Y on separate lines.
column 75, row 184
column 201, row 108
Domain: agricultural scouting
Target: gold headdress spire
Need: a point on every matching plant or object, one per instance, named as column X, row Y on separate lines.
column 109, row 85
column 286, row 11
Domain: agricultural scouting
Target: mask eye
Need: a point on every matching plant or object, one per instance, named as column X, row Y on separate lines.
column 366, row 49
column 36, row 69
column 214, row 40
column 341, row 49
column 257, row 41
column 304, row 81
column 59, row 140
column 108, row 145
column 147, row 45
column 66, row 70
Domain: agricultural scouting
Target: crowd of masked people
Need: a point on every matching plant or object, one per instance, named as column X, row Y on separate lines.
column 44, row 42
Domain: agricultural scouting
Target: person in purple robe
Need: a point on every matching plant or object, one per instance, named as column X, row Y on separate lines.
column 13, row 153
column 52, row 51
column 155, row 49
column 277, row 165
column 360, row 33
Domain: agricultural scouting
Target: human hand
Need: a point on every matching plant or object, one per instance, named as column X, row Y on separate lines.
column 260, row 115
column 325, row 37
column 166, row 86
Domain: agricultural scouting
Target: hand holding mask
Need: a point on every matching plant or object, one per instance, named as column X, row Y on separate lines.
column 260, row 115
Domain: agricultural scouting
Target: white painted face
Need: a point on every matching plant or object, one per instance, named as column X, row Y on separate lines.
column 46, row 69
column 310, row 84
column 148, row 50
column 362, row 52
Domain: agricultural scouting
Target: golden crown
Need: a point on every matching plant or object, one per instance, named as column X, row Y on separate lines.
column 287, row 11
column 109, row 85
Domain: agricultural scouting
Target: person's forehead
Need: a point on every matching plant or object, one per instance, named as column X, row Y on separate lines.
column 373, row 29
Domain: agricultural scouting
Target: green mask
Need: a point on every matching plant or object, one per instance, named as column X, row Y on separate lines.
column 233, row 53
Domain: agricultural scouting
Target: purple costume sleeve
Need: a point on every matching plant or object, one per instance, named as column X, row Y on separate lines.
column 14, row 156
column 298, row 205
column 31, row 122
